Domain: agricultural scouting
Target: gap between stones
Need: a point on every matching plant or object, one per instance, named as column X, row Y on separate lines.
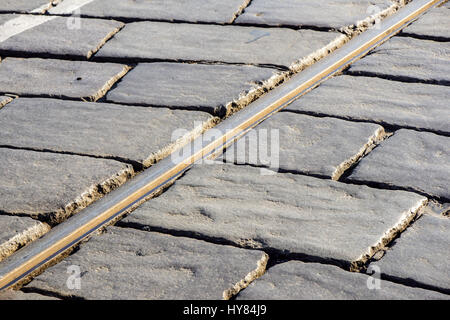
column 21, row 239
column 240, row 10
column 407, row 282
column 391, row 77
column 137, row 166
column 389, row 127
column 374, row 140
column 423, row 37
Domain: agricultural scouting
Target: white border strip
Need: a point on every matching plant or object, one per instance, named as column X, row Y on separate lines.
column 25, row 22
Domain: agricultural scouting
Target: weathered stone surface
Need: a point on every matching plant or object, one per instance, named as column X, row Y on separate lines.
column 133, row 264
column 409, row 159
column 131, row 133
column 20, row 295
column 234, row 44
column 197, row 86
column 4, row 100
column 24, row 5
column 423, row 106
column 62, row 36
column 319, row 146
column 435, row 24
column 421, row 254
column 15, row 232
column 58, row 78
column 172, row 10
column 326, row 14
column 292, row 213
column 408, row 59
column 296, row 280
column 54, row 185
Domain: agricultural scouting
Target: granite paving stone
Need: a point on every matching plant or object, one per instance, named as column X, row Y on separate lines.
column 435, row 24
column 52, row 186
column 323, row 219
column 200, row 87
column 326, row 14
column 408, row 59
column 24, row 5
column 136, row 134
column 320, row 146
column 15, row 232
column 211, row 11
column 232, row 44
column 421, row 254
column 62, row 36
column 296, row 280
column 409, row 159
column 415, row 105
column 132, row 264
column 58, row 78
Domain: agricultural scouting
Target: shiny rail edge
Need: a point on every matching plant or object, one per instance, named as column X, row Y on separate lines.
column 85, row 223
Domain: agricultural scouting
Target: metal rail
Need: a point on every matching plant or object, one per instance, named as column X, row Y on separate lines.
column 64, row 236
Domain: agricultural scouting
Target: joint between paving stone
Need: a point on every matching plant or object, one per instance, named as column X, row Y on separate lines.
column 423, row 37
column 5, row 101
column 23, row 238
column 137, row 166
column 240, row 10
column 365, row 24
column 391, row 77
column 379, row 135
column 108, row 85
column 104, row 40
column 405, row 221
column 93, row 194
column 188, row 137
column 277, row 256
column 249, row 278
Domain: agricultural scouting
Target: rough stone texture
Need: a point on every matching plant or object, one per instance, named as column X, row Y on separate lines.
column 324, row 219
column 233, row 44
column 23, row 5
column 131, row 133
column 20, row 295
column 435, row 24
column 15, row 232
column 199, row 87
column 319, row 146
column 62, row 36
column 408, row 59
column 53, row 185
column 296, row 280
column 421, row 254
column 132, row 264
column 409, row 159
column 416, row 105
column 173, row 10
column 326, row 14
column 58, row 78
